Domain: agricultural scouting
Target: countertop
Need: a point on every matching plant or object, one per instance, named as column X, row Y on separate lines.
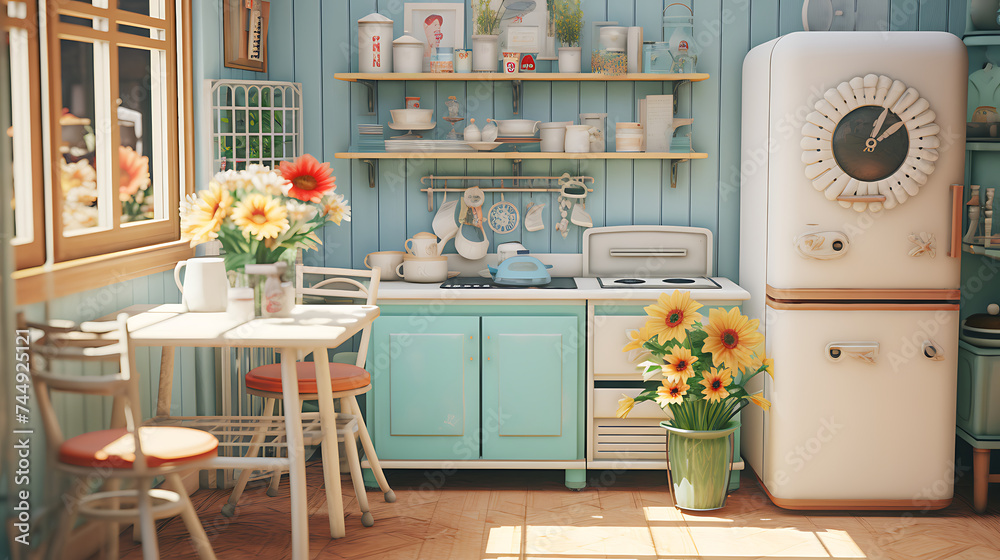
column 587, row 289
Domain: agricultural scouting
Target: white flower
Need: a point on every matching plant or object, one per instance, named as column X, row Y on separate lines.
column 300, row 211
column 335, row 208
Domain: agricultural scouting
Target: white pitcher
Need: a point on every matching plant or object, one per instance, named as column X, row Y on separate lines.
column 205, row 287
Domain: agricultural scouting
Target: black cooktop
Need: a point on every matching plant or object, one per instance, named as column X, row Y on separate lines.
column 477, row 283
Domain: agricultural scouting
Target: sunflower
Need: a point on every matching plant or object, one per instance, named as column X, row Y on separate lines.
column 309, row 178
column 671, row 392
column 679, row 364
column 715, row 383
column 202, row 214
column 637, row 338
column 133, row 172
column 625, row 405
column 730, row 337
column 759, row 400
column 260, row 216
column 670, row 317
column 335, row 208
column 760, row 359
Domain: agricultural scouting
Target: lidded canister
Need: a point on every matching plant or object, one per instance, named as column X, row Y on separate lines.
column 375, row 44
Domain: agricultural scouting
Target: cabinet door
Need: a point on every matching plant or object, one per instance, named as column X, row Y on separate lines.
column 531, row 380
column 425, row 377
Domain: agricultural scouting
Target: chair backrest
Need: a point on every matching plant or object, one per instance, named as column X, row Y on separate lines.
column 341, row 283
column 106, row 341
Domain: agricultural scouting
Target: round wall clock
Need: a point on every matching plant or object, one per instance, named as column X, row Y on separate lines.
column 870, row 144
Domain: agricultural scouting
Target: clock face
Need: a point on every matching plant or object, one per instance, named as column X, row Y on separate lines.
column 870, row 144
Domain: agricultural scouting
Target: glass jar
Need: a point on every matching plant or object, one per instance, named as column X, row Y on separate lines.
column 443, row 60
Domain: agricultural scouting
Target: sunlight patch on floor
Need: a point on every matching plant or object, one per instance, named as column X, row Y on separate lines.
column 785, row 542
column 561, row 539
column 504, row 540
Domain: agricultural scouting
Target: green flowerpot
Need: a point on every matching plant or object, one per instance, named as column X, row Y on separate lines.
column 699, row 466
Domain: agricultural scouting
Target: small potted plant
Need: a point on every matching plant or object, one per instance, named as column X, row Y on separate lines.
column 568, row 22
column 704, row 371
column 486, row 38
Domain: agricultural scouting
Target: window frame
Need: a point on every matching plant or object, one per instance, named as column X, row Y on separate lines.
column 139, row 234
column 31, row 253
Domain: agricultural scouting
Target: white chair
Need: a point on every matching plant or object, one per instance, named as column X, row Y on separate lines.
column 347, row 381
column 133, row 452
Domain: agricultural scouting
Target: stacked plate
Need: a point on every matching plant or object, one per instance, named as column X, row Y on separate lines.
column 370, row 138
column 421, row 145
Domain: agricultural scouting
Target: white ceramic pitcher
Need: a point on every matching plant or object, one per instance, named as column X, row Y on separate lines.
column 205, row 286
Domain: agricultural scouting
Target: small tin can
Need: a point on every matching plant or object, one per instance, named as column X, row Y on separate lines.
column 443, row 60
column 463, row 61
column 412, row 102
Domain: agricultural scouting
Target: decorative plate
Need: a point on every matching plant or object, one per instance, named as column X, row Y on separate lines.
column 503, row 217
column 871, row 143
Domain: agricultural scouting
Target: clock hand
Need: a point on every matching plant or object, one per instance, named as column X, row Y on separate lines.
column 888, row 132
column 879, row 121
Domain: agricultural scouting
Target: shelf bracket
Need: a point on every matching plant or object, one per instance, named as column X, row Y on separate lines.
column 673, row 171
column 372, row 170
column 370, row 84
column 518, row 92
column 516, row 165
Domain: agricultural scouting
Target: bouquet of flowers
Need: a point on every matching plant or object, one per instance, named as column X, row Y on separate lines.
column 704, row 369
column 258, row 214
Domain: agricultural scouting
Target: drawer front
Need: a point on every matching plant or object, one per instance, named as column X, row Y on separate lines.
column 610, row 336
column 606, row 405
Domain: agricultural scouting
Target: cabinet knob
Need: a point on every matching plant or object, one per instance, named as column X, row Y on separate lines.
column 470, row 359
column 470, row 338
column 487, row 358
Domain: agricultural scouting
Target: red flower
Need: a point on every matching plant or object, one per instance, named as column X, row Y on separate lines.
column 309, row 179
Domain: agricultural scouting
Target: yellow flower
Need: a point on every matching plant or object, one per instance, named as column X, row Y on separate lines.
column 671, row 392
column 759, row 400
column 679, row 364
column 670, row 317
column 637, row 338
column 335, row 208
column 730, row 337
column 715, row 383
column 625, row 405
column 260, row 216
column 202, row 214
column 760, row 359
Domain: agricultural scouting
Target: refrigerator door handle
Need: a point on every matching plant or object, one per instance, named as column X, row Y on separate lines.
column 867, row 352
column 957, row 194
column 932, row 351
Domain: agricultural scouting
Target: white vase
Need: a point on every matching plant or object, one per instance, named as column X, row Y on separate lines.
column 484, row 53
column 569, row 60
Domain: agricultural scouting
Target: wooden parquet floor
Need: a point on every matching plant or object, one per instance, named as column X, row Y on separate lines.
column 521, row 515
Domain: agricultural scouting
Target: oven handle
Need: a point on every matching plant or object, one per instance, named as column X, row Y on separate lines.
column 646, row 252
column 866, row 352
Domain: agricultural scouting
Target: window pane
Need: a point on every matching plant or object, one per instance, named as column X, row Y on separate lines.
column 136, row 80
column 135, row 6
column 7, row 125
column 78, row 143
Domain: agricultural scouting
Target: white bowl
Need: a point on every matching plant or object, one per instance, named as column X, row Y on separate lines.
column 412, row 116
column 423, row 269
column 517, row 127
column 484, row 146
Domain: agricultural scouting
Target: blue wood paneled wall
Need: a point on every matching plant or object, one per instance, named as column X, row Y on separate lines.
column 310, row 40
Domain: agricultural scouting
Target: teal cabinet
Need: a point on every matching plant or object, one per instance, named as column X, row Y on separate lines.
column 530, row 381
column 425, row 385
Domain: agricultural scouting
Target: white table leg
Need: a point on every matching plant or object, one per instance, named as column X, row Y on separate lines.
column 165, row 390
column 296, row 455
column 331, row 454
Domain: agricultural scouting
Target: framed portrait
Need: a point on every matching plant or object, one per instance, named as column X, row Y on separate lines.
column 435, row 24
column 525, row 26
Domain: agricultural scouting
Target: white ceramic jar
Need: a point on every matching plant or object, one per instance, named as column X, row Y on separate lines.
column 407, row 55
column 553, row 135
column 578, row 138
column 375, row 44
column 613, row 38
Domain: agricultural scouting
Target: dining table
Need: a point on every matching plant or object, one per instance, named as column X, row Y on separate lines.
column 309, row 329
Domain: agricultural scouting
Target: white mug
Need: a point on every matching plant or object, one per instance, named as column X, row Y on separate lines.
column 423, row 244
column 387, row 261
column 205, row 287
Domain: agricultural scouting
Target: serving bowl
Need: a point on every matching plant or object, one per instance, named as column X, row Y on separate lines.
column 484, row 146
column 517, row 127
column 402, row 117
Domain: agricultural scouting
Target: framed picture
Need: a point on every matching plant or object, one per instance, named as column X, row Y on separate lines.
column 435, row 24
column 525, row 26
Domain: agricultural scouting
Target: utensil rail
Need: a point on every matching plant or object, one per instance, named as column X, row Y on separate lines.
column 432, row 189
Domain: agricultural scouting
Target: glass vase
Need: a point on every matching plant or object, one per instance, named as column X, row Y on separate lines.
column 699, row 465
column 240, row 279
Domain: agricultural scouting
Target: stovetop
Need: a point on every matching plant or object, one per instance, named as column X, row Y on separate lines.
column 683, row 283
column 477, row 283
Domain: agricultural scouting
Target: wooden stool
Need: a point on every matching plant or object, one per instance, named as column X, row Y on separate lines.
column 346, row 381
column 981, row 477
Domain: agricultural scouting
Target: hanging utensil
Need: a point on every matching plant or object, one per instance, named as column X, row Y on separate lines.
column 503, row 216
column 444, row 223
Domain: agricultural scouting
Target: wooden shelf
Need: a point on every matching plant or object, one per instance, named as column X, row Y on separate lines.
column 523, row 76
column 520, row 155
column 989, row 39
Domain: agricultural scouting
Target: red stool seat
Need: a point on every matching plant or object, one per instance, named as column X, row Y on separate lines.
column 115, row 448
column 343, row 377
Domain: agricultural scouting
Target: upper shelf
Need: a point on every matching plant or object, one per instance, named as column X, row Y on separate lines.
column 521, row 155
column 524, row 76
column 985, row 39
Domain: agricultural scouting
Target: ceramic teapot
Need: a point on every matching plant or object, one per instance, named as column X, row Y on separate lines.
column 205, row 287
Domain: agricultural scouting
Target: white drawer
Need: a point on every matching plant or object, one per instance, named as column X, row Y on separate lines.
column 610, row 336
column 606, row 405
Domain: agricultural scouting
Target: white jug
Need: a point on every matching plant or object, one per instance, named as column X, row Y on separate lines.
column 578, row 138
column 205, row 286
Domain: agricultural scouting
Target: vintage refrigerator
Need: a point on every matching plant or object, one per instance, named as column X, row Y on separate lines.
column 853, row 149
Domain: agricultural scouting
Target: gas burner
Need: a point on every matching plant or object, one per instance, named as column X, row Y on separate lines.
column 692, row 283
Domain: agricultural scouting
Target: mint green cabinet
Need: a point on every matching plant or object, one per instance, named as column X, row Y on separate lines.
column 530, row 383
column 425, row 386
